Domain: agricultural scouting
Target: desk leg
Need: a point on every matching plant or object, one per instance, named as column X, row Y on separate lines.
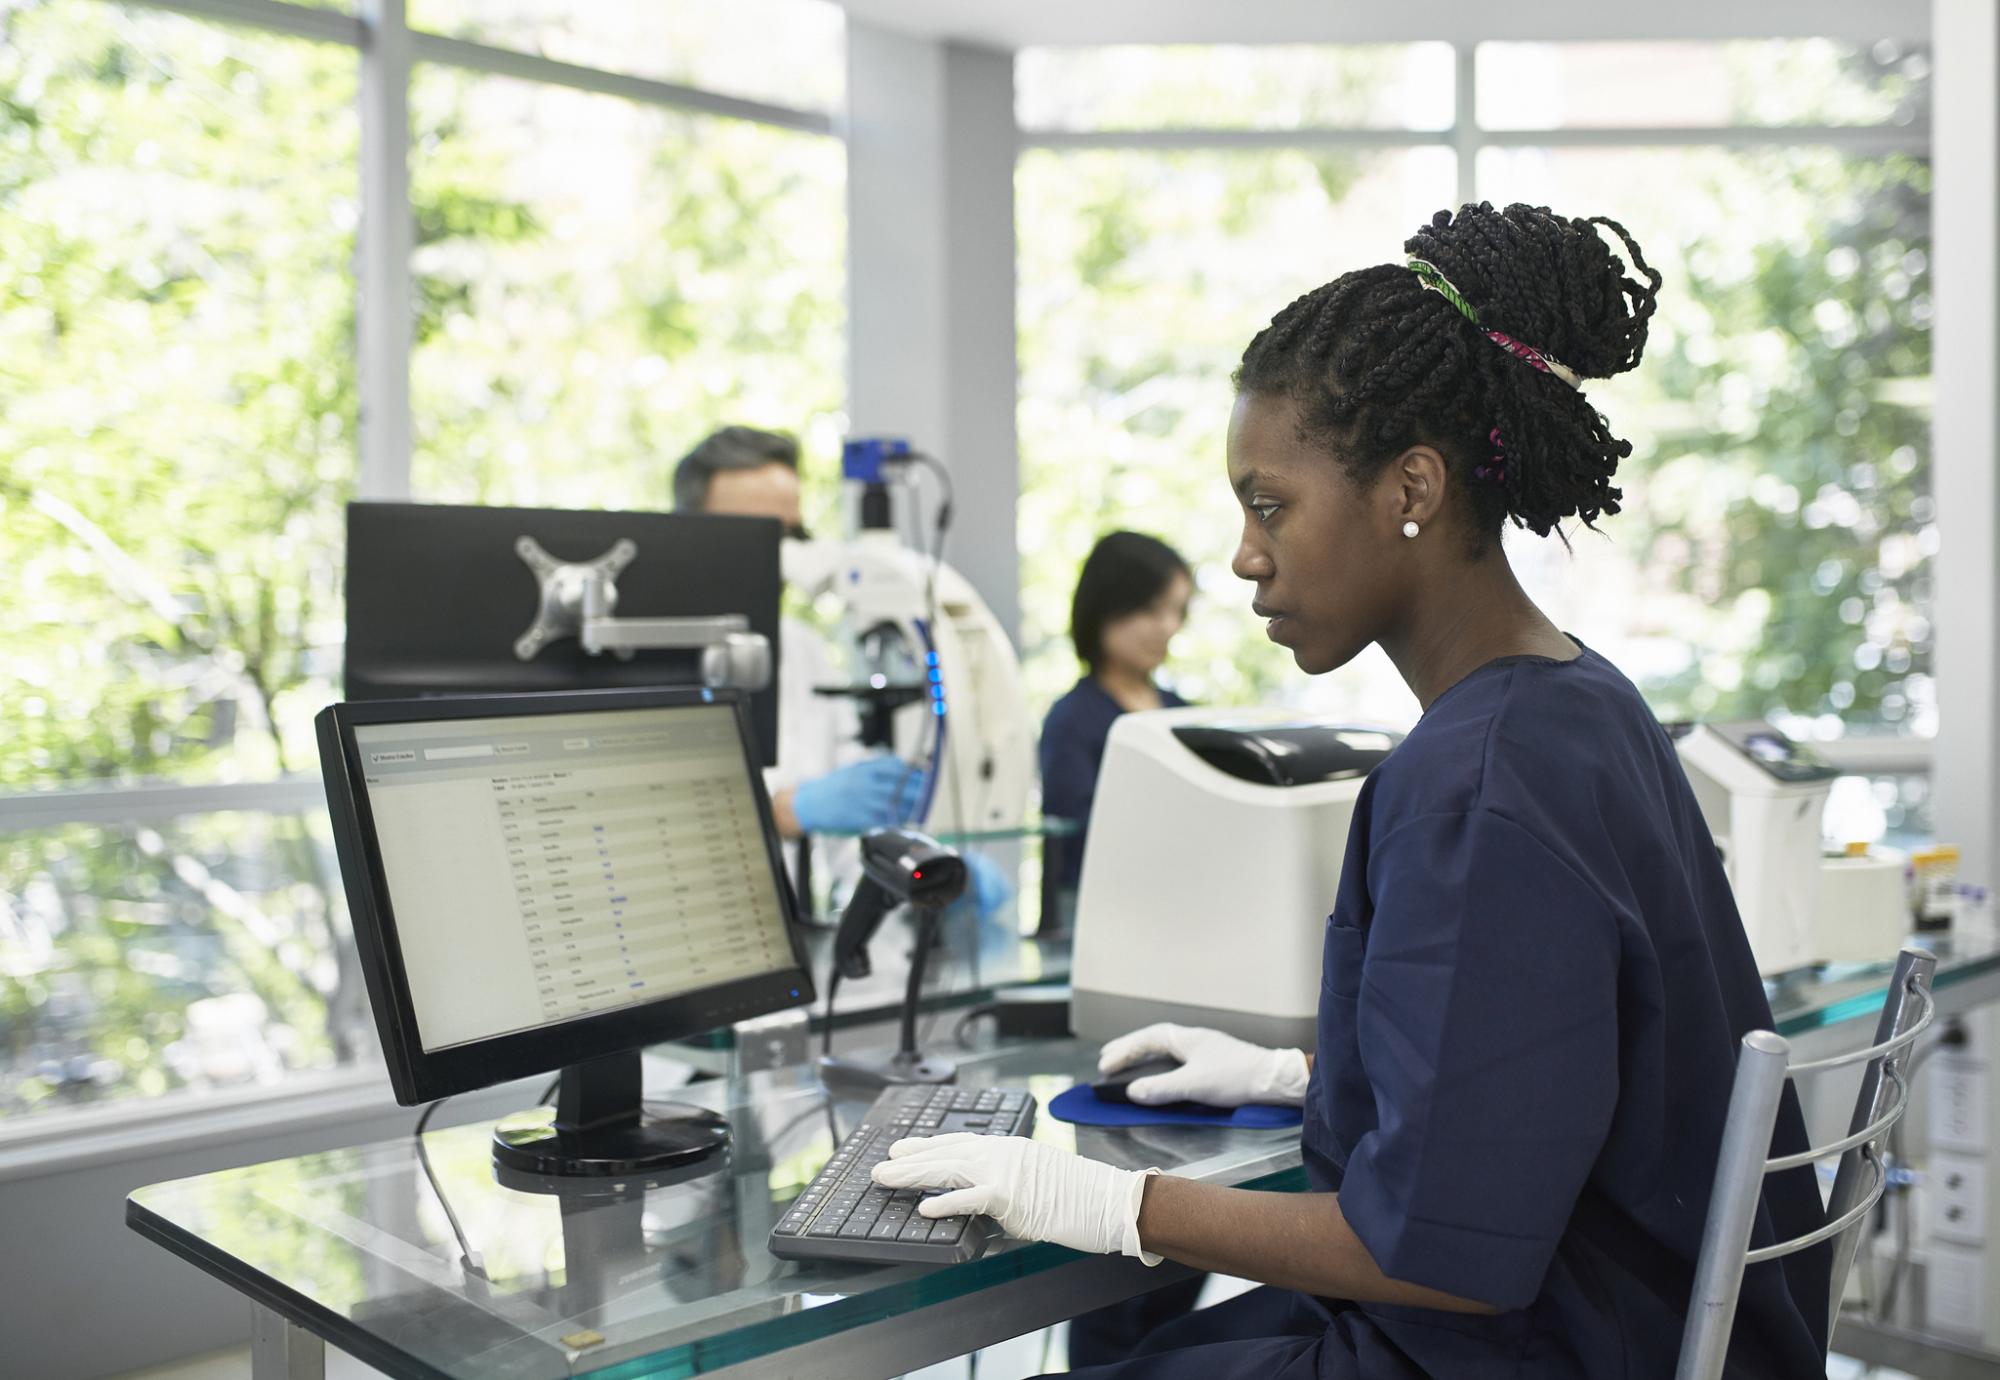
column 282, row 1350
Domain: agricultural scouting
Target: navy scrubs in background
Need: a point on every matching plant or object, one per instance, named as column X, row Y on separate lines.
column 1535, row 982
column 1072, row 750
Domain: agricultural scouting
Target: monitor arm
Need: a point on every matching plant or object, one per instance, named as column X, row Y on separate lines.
column 578, row 600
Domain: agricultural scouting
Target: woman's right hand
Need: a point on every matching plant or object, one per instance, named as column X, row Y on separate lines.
column 1217, row 1069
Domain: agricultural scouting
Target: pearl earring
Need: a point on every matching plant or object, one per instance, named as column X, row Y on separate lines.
column 1410, row 529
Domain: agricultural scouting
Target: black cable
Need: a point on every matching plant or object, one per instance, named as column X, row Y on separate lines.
column 467, row 1257
column 826, row 1030
column 944, row 515
column 429, row 1112
column 941, row 526
column 940, row 981
column 977, row 1013
column 820, row 1103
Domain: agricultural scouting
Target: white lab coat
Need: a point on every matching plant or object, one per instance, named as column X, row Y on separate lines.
column 816, row 734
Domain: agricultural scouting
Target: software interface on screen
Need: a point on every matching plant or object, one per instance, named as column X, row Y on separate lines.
column 552, row 866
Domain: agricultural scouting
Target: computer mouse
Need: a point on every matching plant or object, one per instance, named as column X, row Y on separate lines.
column 1111, row 1088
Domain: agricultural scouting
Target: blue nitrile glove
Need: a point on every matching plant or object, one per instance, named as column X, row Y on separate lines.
column 867, row 795
column 986, row 885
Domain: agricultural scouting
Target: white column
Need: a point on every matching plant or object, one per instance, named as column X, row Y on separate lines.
column 930, row 186
column 1965, row 209
column 387, row 235
column 1962, row 1283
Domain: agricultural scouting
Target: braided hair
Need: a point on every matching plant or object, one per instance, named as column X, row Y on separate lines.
column 1377, row 362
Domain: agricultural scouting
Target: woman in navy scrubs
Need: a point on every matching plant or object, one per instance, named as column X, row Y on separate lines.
column 1535, row 977
column 1131, row 599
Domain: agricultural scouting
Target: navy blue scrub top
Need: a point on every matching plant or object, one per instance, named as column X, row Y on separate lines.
column 1072, row 750
column 1535, row 984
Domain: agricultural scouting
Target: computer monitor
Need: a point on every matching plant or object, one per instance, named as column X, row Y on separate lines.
column 555, row 881
column 438, row 596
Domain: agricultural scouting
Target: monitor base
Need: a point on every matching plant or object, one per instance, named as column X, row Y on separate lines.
column 885, row 1070
column 661, row 1137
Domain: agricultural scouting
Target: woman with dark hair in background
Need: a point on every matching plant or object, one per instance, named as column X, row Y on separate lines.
column 1131, row 598
column 1535, row 979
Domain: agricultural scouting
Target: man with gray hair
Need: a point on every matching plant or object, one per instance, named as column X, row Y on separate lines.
column 744, row 472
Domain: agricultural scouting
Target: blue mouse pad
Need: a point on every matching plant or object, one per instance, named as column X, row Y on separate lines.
column 1084, row 1108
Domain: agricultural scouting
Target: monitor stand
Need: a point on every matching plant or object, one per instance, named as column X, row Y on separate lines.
column 601, row 1129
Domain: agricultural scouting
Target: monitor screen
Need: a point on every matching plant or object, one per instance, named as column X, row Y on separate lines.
column 543, row 868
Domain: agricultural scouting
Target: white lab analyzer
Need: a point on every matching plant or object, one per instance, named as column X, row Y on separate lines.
column 1213, row 862
column 961, row 710
column 1762, row 796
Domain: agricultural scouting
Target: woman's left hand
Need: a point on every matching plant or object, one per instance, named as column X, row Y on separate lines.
column 1035, row 1191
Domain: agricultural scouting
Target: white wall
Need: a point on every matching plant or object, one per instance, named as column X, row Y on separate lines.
column 86, row 1296
column 1965, row 211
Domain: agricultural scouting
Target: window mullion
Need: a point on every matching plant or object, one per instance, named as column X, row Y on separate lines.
column 1465, row 119
column 387, row 238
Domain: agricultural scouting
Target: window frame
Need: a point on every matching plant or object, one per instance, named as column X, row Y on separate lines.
column 388, row 51
column 1864, row 753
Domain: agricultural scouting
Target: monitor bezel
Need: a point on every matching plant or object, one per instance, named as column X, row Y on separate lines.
column 423, row 1075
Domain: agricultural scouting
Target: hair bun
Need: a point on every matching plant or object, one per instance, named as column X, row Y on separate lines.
column 1548, row 280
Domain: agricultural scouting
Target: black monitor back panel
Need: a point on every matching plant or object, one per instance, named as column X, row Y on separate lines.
column 437, row 596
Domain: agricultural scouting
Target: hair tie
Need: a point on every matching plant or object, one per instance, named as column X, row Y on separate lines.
column 1431, row 277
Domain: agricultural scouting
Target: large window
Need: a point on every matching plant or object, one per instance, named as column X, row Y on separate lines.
column 637, row 232
column 178, row 205
column 1143, row 274
column 602, row 283
column 1774, row 555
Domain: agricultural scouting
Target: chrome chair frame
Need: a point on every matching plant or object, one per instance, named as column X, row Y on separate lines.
column 1761, row 1070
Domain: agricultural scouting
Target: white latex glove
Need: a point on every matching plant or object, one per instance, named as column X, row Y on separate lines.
column 1218, row 1069
column 1035, row 1191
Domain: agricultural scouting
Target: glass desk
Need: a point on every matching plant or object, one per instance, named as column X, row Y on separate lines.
column 1817, row 999
column 974, row 963
column 354, row 1248
column 1035, row 827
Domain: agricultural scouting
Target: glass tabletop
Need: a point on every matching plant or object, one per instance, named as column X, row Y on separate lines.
column 672, row 1280
column 1036, row 827
column 1815, row 997
column 974, row 962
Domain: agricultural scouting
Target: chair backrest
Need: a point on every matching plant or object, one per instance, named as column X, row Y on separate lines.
column 1761, row 1071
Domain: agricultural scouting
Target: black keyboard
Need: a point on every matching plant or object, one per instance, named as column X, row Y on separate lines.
column 843, row 1214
